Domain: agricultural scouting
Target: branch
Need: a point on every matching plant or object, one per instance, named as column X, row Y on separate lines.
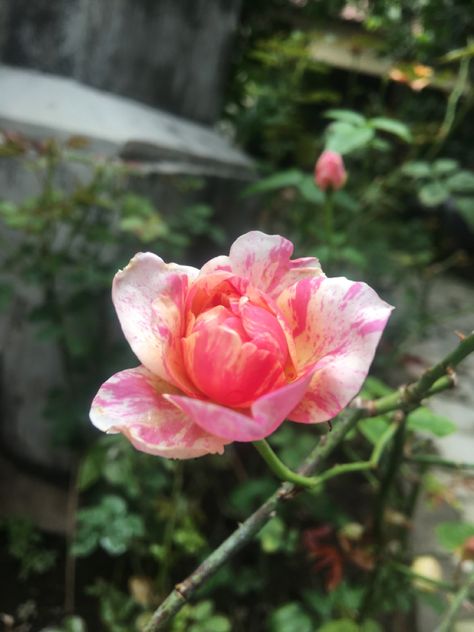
column 434, row 460
column 440, row 586
column 446, row 624
column 246, row 531
column 434, row 380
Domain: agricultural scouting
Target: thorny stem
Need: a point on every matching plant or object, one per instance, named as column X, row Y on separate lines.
column 310, row 482
column 446, row 624
column 436, row 461
column 248, row 529
column 395, row 458
column 279, row 468
column 408, row 397
column 450, row 114
column 422, row 579
column 329, row 221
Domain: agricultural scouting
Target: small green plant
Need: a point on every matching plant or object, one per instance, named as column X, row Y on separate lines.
column 443, row 181
column 26, row 544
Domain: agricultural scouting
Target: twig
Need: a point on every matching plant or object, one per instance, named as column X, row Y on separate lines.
column 432, row 381
column 434, row 460
column 394, row 461
column 241, row 536
column 449, row 619
column 437, row 584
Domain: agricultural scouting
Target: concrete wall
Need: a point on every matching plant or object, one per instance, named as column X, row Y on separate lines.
column 167, row 53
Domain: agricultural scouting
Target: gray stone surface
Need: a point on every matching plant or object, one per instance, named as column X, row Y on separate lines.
column 167, row 53
column 44, row 105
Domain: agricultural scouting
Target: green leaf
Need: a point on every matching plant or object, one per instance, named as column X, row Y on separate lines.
column 465, row 207
column 433, row 193
column 443, row 166
column 7, row 208
column 90, row 469
column 452, row 535
column 381, row 144
column 462, row 182
column 423, row 420
column 249, row 493
column 74, row 624
column 416, row 170
column 345, row 138
column 347, row 116
column 373, row 428
column 290, row 618
column 279, row 180
column 137, row 205
column 218, row 623
column 346, row 201
column 310, row 191
column 392, row 126
column 272, row 536
column 373, row 387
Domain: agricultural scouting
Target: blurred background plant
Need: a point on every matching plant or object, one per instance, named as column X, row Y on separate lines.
column 405, row 215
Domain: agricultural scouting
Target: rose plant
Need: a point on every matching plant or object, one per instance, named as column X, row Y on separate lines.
column 230, row 351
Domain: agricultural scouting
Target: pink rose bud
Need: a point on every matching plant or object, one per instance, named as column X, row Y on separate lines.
column 329, row 172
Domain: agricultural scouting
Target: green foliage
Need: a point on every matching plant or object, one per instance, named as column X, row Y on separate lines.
column 70, row 624
column 200, row 617
column 290, row 618
column 110, row 525
column 116, row 608
column 276, row 537
column 452, row 535
column 351, row 131
column 424, row 420
column 26, row 544
column 441, row 181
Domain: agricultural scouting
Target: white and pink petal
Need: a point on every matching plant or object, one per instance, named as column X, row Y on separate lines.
column 265, row 261
column 132, row 402
column 265, row 415
column 149, row 297
column 336, row 326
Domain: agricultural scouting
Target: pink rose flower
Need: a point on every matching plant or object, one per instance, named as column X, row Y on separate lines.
column 230, row 351
column 329, row 172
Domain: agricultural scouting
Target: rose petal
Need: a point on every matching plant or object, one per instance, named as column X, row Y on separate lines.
column 336, row 324
column 265, row 261
column 266, row 414
column 149, row 299
column 227, row 370
column 218, row 264
column 132, row 402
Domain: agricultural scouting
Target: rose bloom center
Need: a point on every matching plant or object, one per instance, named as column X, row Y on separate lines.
column 234, row 350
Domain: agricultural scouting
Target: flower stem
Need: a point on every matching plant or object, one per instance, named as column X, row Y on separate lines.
column 450, row 617
column 329, row 222
column 279, row 468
